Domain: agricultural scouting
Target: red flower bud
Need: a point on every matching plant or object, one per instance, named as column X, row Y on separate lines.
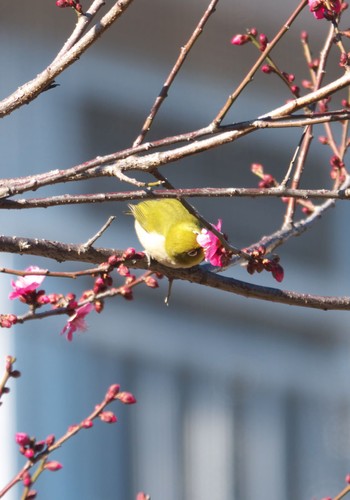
column 257, row 169
column 142, row 496
column 26, row 478
column 304, row 36
column 151, row 282
column 112, row 392
column 240, row 39
column 108, row 417
column 126, row 397
column 50, row 440
column 53, row 465
column 129, row 253
column 113, row 260
column 22, row 438
column 266, row 68
column 87, row 424
column 323, row 139
column 31, row 495
column 253, row 32
column 99, row 305
column 123, row 270
column 29, row 453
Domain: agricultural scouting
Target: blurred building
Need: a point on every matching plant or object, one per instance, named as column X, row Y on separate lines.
column 237, row 399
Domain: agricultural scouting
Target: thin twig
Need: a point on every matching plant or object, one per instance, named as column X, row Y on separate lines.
column 204, row 192
column 308, row 132
column 109, row 164
column 174, row 71
column 248, row 78
column 83, row 21
column 99, row 233
column 30, row 90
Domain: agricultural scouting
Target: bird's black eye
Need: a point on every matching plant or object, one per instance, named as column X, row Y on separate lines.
column 192, row 253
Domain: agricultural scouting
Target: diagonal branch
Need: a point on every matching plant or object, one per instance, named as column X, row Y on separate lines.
column 30, row 90
column 176, row 68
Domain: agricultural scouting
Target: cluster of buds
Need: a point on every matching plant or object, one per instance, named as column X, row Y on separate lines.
column 106, row 416
column 35, row 450
column 338, row 170
column 288, row 78
column 7, row 320
column 124, row 397
column 31, row 448
column 259, row 40
column 70, row 3
column 112, row 394
column 267, row 180
column 118, row 263
column 258, row 262
column 25, row 288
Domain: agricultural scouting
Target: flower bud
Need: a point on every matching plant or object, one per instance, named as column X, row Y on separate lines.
column 53, row 465
column 240, row 39
column 129, row 253
column 29, row 453
column 26, row 478
column 22, row 438
column 126, row 397
column 123, row 270
column 108, row 417
column 113, row 260
column 112, row 392
column 151, row 282
column 50, row 440
column 31, row 495
column 87, row 423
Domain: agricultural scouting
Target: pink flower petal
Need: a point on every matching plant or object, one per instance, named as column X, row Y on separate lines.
column 211, row 245
column 26, row 284
column 77, row 321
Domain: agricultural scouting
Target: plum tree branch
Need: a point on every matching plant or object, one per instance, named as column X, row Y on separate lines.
column 205, row 192
column 30, row 90
column 122, row 159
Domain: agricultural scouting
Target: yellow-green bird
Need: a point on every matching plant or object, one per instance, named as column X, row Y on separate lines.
column 168, row 232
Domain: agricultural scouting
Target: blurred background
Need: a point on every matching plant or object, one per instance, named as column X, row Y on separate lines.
column 237, row 399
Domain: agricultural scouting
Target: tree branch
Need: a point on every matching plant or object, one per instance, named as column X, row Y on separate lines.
column 30, row 90
column 200, row 275
column 205, row 192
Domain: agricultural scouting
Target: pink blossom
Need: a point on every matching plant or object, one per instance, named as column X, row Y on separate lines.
column 26, row 284
column 320, row 9
column 211, row 245
column 77, row 321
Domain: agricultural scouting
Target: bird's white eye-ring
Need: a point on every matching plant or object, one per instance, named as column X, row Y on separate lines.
column 192, row 253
